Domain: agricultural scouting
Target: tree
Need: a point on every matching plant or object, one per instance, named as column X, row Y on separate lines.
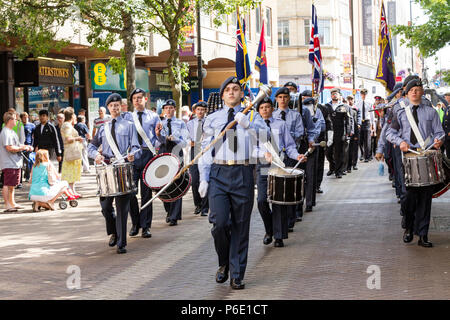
column 432, row 35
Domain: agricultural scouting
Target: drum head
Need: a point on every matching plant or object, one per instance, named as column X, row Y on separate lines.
column 278, row 172
column 161, row 170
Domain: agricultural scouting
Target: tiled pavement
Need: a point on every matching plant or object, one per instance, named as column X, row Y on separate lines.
column 355, row 225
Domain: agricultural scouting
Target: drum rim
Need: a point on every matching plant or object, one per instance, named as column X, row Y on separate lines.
column 151, row 161
column 287, row 175
column 183, row 194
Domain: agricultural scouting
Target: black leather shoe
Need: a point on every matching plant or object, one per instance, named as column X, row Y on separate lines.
column 344, row 173
column 204, row 214
column 267, row 239
column 329, row 173
column 319, row 190
column 197, row 210
column 222, row 274
column 349, row 170
column 173, row 223
column 278, row 243
column 339, row 176
column 308, row 209
column 134, row 231
column 167, row 218
column 361, row 159
column 121, row 250
column 367, row 160
column 112, row 240
column 298, row 219
column 355, row 168
column 146, row 233
column 290, row 229
column 408, row 236
column 237, row 284
column 423, row 241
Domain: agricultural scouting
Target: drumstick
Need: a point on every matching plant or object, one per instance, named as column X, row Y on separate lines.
column 410, row 150
column 265, row 91
column 285, row 170
column 434, row 143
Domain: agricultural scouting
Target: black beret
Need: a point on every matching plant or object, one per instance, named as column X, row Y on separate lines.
column 413, row 83
column 282, row 90
column 408, row 79
column 307, row 93
column 265, row 100
column 200, row 104
column 170, row 102
column 227, row 82
column 364, row 91
column 336, row 90
column 291, row 84
column 308, row 101
column 43, row 111
column 397, row 86
column 113, row 97
column 135, row 91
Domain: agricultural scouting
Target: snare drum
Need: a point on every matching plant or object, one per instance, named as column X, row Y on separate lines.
column 160, row 171
column 115, row 180
column 284, row 188
column 423, row 170
column 442, row 188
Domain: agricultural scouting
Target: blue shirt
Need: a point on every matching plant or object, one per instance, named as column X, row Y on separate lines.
column 149, row 122
column 179, row 132
column 429, row 126
column 82, row 129
column 294, row 122
column 280, row 138
column 214, row 124
column 192, row 126
column 320, row 124
column 29, row 131
column 126, row 137
column 382, row 139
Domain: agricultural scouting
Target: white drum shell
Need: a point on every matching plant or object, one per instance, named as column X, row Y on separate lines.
column 115, row 180
column 423, row 170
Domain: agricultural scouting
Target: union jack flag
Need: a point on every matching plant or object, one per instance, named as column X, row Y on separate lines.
column 315, row 55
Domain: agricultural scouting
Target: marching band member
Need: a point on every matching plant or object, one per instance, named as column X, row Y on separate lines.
column 275, row 221
column 354, row 139
column 115, row 138
column 195, row 129
column 145, row 123
column 172, row 137
column 367, row 122
column 417, row 203
column 227, row 171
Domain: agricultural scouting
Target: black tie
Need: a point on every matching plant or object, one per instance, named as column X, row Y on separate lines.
column 232, row 143
column 416, row 118
column 113, row 132
column 364, row 111
column 283, row 115
column 269, row 135
column 169, row 126
column 198, row 137
column 140, row 113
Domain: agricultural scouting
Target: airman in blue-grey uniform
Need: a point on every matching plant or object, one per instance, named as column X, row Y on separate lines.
column 124, row 136
column 228, row 173
column 172, row 136
column 417, row 203
column 275, row 220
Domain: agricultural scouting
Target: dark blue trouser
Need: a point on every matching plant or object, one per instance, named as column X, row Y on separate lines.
column 417, row 209
column 399, row 178
column 275, row 220
column 116, row 224
column 141, row 219
column 174, row 209
column 231, row 197
column 199, row 202
column 294, row 211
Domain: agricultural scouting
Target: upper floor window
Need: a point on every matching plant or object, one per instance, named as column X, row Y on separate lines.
column 283, row 33
column 324, row 31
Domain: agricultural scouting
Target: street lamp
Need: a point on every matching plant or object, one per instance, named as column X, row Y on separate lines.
column 199, row 55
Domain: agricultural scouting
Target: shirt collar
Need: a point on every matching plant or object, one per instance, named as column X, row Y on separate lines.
column 236, row 109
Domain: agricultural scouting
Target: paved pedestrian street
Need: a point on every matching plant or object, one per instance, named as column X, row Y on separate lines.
column 349, row 247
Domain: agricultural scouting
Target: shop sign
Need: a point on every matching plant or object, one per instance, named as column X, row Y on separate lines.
column 103, row 78
column 56, row 73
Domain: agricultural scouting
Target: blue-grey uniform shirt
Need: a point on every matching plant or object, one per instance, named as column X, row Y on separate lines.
column 126, row 137
column 179, row 132
column 280, row 137
column 382, row 139
column 429, row 126
column 294, row 122
column 192, row 127
column 149, row 122
column 312, row 131
column 212, row 127
column 320, row 124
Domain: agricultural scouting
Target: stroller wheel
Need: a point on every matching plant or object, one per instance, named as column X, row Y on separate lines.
column 63, row 205
column 73, row 203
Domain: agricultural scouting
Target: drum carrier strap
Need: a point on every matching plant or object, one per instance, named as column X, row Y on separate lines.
column 142, row 133
column 413, row 124
column 111, row 142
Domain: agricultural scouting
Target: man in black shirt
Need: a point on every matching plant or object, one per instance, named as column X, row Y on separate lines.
column 46, row 137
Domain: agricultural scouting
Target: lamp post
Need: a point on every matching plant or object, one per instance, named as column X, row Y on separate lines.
column 199, row 55
column 412, row 49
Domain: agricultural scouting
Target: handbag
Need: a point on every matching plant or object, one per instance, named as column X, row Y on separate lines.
column 73, row 151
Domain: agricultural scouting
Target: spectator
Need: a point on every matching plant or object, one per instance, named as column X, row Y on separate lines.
column 124, row 106
column 82, row 112
column 10, row 160
column 71, row 166
column 440, row 110
column 18, row 128
column 29, row 131
column 46, row 185
column 101, row 120
column 185, row 114
column 46, row 137
column 447, row 98
column 58, row 124
column 83, row 132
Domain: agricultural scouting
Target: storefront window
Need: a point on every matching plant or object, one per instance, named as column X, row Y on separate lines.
column 51, row 98
column 20, row 101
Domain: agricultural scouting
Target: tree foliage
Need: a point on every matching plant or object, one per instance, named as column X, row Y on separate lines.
column 432, row 35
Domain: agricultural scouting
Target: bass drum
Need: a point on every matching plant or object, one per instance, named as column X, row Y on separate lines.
column 160, row 171
column 441, row 188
